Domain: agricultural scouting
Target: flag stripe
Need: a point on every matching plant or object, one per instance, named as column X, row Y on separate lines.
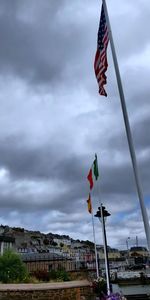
column 90, row 179
column 96, row 172
column 100, row 63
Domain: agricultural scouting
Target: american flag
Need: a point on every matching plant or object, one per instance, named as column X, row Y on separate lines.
column 100, row 63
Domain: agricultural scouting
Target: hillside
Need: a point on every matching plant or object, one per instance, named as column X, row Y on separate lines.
column 37, row 240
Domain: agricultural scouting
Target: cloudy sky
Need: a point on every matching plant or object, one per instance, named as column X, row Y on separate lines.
column 53, row 121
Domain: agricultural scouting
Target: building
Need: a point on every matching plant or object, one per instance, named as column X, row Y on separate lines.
column 6, row 242
column 46, row 262
column 138, row 255
column 138, row 251
column 112, row 253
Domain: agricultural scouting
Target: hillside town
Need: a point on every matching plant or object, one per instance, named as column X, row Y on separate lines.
column 41, row 251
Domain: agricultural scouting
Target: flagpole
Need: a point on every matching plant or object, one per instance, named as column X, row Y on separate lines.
column 97, row 270
column 128, row 131
column 105, row 251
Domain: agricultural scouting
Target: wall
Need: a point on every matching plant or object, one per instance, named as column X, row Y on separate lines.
column 74, row 290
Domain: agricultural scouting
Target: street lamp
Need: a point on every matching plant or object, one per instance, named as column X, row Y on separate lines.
column 127, row 243
column 102, row 213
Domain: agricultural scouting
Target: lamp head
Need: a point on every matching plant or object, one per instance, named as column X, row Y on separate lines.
column 105, row 212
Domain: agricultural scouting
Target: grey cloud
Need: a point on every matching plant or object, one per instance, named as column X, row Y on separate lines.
column 129, row 35
column 39, row 53
column 140, row 134
column 48, row 136
column 26, row 161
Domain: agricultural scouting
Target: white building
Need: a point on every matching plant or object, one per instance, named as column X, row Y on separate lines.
column 6, row 242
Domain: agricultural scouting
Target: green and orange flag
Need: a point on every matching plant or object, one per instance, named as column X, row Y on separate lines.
column 93, row 171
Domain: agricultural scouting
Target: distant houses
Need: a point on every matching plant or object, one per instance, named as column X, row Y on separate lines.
column 48, row 252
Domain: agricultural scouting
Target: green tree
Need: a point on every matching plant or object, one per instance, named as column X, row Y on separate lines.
column 12, row 269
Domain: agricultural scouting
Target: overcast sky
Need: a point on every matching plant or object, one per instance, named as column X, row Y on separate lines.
column 53, row 121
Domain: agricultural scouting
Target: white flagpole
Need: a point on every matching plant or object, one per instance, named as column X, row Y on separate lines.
column 97, row 271
column 128, row 131
column 105, row 252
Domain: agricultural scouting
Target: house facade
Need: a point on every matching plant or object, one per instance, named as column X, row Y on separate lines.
column 6, row 243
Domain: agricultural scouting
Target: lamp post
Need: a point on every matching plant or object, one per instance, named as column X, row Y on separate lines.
column 127, row 243
column 137, row 243
column 102, row 213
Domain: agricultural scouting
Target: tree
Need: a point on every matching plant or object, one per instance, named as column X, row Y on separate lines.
column 46, row 241
column 54, row 243
column 12, row 269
